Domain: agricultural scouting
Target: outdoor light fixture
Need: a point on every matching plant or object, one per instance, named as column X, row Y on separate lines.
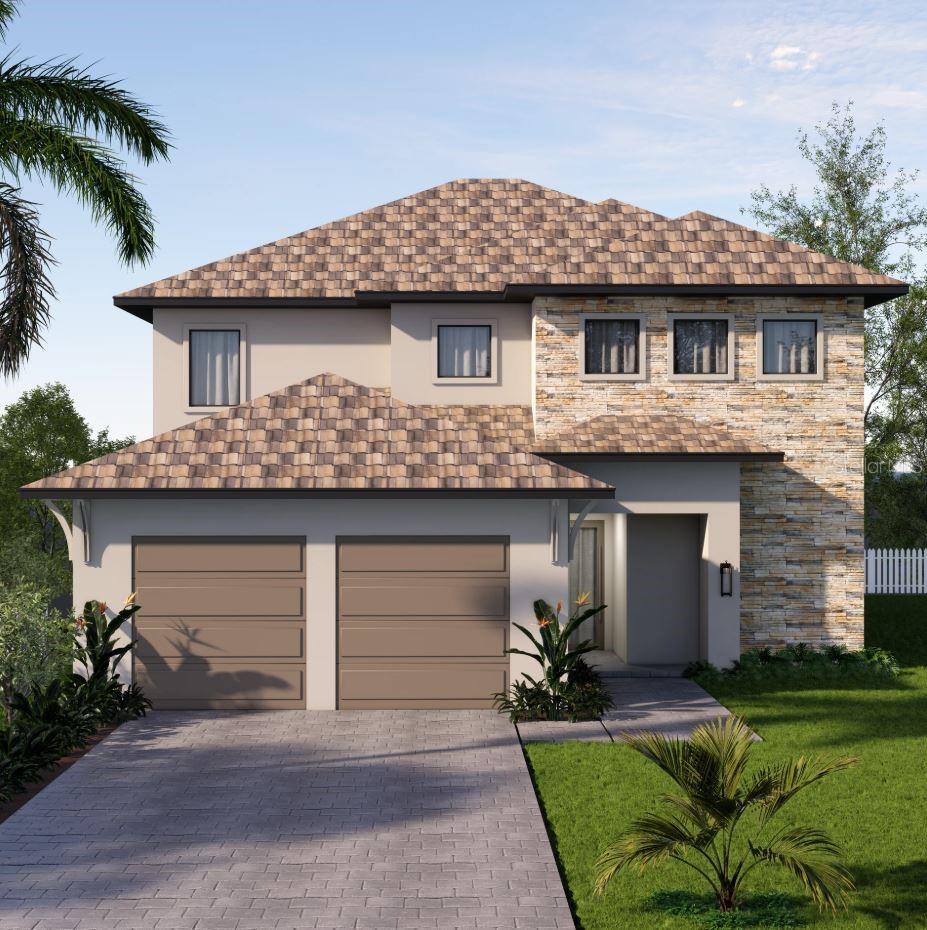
column 727, row 579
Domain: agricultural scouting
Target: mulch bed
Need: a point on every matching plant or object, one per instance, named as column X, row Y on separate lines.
column 8, row 808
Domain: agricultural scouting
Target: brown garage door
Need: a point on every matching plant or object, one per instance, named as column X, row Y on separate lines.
column 222, row 622
column 422, row 621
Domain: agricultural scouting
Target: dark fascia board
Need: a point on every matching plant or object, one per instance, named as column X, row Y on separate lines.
column 326, row 493
column 665, row 456
column 143, row 307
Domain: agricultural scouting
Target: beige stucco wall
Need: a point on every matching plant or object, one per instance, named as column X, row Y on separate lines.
column 801, row 549
column 707, row 489
column 281, row 347
column 413, row 354
column 108, row 577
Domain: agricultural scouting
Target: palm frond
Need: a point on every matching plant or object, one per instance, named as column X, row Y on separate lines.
column 651, row 839
column 811, row 856
column 8, row 10
column 63, row 94
column 719, row 754
column 82, row 167
column 795, row 775
column 25, row 287
column 670, row 754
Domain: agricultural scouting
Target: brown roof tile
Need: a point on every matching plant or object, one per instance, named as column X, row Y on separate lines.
column 486, row 234
column 326, row 433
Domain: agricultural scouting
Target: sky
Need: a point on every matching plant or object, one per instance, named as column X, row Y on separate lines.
column 289, row 114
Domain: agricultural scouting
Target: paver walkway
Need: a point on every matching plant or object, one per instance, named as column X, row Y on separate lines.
column 671, row 706
column 206, row 821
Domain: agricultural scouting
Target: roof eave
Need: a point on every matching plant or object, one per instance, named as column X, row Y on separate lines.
column 555, row 456
column 31, row 493
column 872, row 294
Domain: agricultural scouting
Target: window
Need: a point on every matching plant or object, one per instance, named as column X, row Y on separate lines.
column 790, row 348
column 611, row 347
column 214, row 367
column 464, row 351
column 701, row 348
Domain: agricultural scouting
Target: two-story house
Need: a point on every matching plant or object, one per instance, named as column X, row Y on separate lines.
column 378, row 441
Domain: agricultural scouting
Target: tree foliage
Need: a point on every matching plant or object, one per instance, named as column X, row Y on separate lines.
column 60, row 123
column 40, row 434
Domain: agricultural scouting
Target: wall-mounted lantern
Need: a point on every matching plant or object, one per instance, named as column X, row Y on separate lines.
column 727, row 579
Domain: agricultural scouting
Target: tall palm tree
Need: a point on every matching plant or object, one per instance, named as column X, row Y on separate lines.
column 59, row 123
column 702, row 828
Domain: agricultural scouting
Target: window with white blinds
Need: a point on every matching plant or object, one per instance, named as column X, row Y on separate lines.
column 215, row 367
column 464, row 351
column 700, row 347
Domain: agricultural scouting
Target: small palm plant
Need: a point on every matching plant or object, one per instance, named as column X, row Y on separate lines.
column 552, row 647
column 703, row 827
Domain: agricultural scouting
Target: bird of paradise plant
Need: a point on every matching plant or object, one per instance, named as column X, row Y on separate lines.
column 703, row 826
column 552, row 647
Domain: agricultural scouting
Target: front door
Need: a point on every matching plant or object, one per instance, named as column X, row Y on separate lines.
column 586, row 577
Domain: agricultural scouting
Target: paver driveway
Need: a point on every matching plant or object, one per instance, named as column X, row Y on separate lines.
column 193, row 821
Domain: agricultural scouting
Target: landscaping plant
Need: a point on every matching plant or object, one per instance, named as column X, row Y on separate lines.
column 35, row 642
column 720, row 825
column 568, row 688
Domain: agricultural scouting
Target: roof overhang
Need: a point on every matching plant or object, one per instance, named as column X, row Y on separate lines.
column 598, row 493
column 665, row 456
column 143, row 307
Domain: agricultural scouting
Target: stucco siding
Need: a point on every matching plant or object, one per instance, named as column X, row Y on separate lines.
column 280, row 348
column 108, row 576
column 801, row 547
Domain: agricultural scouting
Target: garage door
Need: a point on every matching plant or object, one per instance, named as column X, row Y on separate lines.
column 222, row 622
column 422, row 621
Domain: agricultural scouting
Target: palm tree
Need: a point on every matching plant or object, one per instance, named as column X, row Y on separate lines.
column 702, row 827
column 57, row 122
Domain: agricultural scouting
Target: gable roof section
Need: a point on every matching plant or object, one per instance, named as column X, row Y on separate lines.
column 484, row 236
column 326, row 434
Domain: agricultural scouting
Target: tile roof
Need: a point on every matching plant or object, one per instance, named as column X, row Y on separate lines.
column 652, row 434
column 326, row 433
column 487, row 234
column 330, row 434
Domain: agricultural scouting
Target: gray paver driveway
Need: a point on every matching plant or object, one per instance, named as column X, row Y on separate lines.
column 411, row 819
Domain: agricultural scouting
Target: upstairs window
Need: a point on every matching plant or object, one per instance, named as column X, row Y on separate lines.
column 790, row 348
column 700, row 347
column 215, row 379
column 464, row 351
column 612, row 347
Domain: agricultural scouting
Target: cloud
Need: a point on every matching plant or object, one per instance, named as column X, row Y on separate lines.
column 792, row 58
column 738, row 103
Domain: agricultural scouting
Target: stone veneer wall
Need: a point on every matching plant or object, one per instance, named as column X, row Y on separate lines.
column 802, row 575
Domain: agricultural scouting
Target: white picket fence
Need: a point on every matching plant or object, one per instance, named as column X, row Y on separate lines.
column 896, row 571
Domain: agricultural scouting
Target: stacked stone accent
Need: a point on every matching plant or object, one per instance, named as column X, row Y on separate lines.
column 802, row 575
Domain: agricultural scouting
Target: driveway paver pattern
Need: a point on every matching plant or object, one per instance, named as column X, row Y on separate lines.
column 296, row 819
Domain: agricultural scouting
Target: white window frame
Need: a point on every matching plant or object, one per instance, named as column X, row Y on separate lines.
column 243, row 381
column 640, row 374
column 818, row 320
column 671, row 319
column 493, row 350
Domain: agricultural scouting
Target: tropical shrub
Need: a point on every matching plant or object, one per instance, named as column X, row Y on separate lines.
column 568, row 687
column 719, row 825
column 35, row 641
column 50, row 719
column 800, row 662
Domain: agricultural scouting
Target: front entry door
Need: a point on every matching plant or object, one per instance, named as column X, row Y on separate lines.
column 586, row 576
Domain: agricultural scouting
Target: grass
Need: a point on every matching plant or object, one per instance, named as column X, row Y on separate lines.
column 876, row 811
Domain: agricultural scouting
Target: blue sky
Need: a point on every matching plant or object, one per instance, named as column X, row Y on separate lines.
column 287, row 114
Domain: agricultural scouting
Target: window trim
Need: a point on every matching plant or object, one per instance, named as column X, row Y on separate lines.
column 640, row 374
column 244, row 394
column 695, row 316
column 493, row 350
column 817, row 319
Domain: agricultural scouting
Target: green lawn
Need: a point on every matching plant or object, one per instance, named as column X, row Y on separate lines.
column 877, row 811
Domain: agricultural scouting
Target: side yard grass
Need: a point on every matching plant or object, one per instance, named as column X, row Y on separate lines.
column 876, row 811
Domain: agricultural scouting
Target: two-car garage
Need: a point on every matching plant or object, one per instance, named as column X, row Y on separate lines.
column 422, row 622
